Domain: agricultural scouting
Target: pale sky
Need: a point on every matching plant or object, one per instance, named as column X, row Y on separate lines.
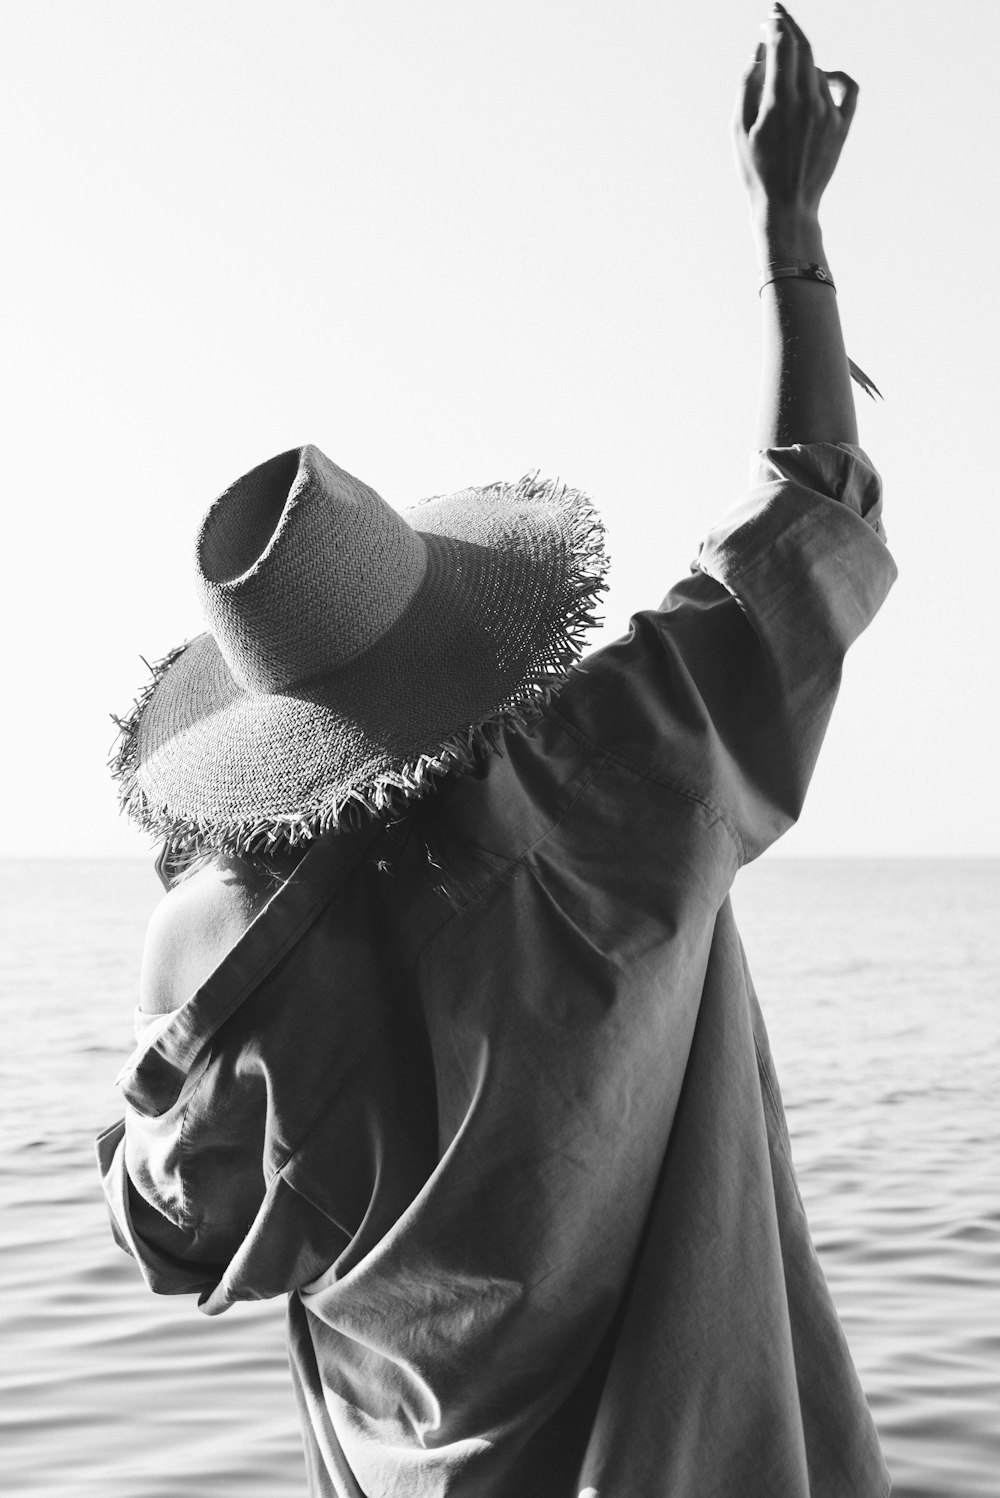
column 449, row 242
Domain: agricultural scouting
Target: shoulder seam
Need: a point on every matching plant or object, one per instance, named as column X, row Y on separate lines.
column 513, row 865
column 676, row 787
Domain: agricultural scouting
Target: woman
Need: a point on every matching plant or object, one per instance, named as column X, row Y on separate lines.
column 459, row 1048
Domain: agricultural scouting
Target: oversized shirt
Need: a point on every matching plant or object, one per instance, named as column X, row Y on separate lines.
column 516, row 1151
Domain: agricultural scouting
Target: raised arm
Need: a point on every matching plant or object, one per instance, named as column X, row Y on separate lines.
column 791, row 123
column 724, row 692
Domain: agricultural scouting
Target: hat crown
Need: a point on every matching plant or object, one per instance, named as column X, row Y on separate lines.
column 301, row 567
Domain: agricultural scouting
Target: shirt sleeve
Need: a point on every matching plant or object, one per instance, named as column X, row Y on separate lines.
column 285, row 1241
column 726, row 690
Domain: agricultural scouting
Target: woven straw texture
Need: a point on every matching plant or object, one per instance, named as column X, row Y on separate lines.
column 355, row 654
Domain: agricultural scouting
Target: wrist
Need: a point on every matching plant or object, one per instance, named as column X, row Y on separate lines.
column 781, row 234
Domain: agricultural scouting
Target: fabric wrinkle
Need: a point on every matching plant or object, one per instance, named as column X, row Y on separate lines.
column 520, row 1162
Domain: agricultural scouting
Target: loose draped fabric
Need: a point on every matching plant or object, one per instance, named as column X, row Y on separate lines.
column 518, row 1153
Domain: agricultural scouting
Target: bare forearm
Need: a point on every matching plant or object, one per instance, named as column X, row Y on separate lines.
column 805, row 390
column 790, row 125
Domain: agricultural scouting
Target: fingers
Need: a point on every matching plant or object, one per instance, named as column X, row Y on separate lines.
column 783, row 71
column 795, row 71
column 789, row 70
column 805, row 70
column 780, row 60
column 844, row 93
column 748, row 99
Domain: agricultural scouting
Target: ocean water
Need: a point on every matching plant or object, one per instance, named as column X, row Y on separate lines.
column 880, row 982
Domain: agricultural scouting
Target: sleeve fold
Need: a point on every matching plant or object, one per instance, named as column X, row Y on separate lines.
column 726, row 690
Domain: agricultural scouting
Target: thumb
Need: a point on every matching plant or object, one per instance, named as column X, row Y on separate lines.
column 844, row 92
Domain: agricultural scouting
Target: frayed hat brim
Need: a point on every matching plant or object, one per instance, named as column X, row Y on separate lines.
column 484, row 646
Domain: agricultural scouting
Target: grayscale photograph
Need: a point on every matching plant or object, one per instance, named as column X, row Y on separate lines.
column 500, row 921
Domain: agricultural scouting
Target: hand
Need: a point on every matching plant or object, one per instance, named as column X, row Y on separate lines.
column 791, row 123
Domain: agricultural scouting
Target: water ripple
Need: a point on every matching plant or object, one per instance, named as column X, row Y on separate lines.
column 879, row 982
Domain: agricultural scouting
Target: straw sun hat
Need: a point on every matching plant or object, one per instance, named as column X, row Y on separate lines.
column 355, row 654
